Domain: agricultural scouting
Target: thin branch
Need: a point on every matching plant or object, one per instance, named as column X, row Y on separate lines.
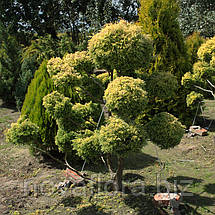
column 209, row 91
column 92, row 123
column 76, row 171
column 210, row 84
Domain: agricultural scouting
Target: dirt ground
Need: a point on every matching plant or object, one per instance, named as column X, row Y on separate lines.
column 29, row 185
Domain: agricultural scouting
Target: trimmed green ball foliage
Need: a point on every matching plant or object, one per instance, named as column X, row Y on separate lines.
column 72, row 76
column 207, row 50
column 87, row 145
column 120, row 138
column 78, row 61
column 57, row 105
column 121, row 46
column 165, row 130
column 33, row 109
column 126, row 97
column 74, row 105
column 64, row 140
column 162, row 86
column 81, row 61
column 71, row 118
column 22, row 132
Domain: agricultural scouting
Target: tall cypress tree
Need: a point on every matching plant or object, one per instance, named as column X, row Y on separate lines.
column 10, row 57
column 40, row 86
column 159, row 19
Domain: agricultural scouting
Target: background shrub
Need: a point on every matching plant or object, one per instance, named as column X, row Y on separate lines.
column 203, row 70
column 10, row 57
column 193, row 43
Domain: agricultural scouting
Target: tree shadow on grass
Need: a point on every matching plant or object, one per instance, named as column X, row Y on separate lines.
column 68, row 201
column 209, row 188
column 96, row 167
column 11, row 105
column 197, row 199
column 142, row 204
column 134, row 161
column 184, row 180
column 71, row 201
column 206, row 122
column 91, row 210
column 139, row 161
column 185, row 209
column 49, row 162
column 152, row 190
column 132, row 177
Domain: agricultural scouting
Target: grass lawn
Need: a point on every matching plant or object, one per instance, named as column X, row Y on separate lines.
column 28, row 185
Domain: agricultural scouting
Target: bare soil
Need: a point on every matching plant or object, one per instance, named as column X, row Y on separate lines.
column 28, row 184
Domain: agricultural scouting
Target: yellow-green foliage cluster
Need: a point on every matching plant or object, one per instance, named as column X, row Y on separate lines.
column 72, row 76
column 121, row 46
column 165, row 130
column 203, row 69
column 194, row 98
column 87, row 145
column 64, row 139
column 67, row 78
column 57, row 105
column 81, row 61
column 119, row 138
column 159, row 19
column 54, row 66
column 22, row 132
column 78, row 61
column 207, row 50
column 71, row 118
column 126, row 97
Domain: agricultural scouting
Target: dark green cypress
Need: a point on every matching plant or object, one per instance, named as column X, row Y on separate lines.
column 40, row 86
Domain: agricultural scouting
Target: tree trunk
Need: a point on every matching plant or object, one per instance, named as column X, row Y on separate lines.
column 117, row 183
column 110, row 167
